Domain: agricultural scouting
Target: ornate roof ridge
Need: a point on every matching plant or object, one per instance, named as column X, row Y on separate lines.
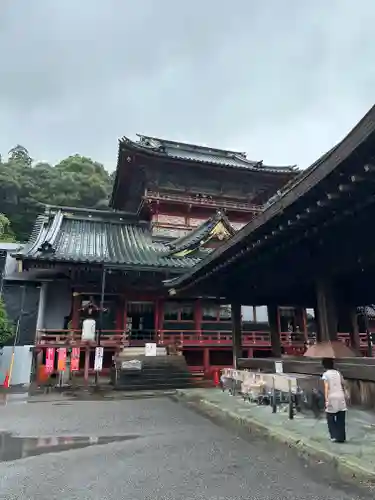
column 49, row 209
column 159, row 142
column 158, row 146
column 201, row 234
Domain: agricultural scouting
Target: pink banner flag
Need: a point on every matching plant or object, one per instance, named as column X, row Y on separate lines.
column 74, row 362
column 61, row 361
column 50, row 359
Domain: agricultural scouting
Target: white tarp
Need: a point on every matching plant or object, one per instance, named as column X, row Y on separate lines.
column 23, row 357
column 133, row 364
column 88, row 329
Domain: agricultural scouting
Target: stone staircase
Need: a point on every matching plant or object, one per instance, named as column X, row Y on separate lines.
column 157, row 373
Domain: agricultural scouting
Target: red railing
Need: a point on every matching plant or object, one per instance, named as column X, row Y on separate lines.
column 219, row 338
column 183, row 198
column 295, row 342
column 73, row 337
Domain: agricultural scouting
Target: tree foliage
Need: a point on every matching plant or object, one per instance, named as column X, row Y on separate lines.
column 6, row 327
column 6, row 233
column 25, row 186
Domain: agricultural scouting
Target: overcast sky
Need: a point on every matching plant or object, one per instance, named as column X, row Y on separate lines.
column 282, row 80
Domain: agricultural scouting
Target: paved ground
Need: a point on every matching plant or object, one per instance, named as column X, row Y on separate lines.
column 171, row 452
column 356, row 456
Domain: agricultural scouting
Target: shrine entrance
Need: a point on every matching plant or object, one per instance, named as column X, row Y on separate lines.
column 140, row 322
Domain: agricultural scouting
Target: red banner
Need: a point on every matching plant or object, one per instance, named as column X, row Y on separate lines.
column 61, row 361
column 74, row 360
column 50, row 359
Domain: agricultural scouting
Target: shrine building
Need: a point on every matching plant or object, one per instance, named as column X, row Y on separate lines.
column 172, row 204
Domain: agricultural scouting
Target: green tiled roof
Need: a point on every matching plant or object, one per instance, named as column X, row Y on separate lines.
column 90, row 236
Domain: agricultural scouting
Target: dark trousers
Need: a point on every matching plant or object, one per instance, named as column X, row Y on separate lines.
column 336, row 425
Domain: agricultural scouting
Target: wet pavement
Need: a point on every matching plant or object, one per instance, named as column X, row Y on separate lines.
column 146, row 448
column 16, row 447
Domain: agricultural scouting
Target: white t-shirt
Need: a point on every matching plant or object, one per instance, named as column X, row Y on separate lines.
column 336, row 395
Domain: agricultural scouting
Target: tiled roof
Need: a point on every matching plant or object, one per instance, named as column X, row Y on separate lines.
column 202, row 154
column 196, row 238
column 91, row 236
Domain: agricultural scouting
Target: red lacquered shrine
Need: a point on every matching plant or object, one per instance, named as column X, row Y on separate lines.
column 172, row 204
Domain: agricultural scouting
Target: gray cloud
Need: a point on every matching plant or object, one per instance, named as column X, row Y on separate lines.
column 283, row 80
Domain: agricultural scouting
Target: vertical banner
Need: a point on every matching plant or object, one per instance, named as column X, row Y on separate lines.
column 61, row 360
column 74, row 362
column 98, row 365
column 50, row 359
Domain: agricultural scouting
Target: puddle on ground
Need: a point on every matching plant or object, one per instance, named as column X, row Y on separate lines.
column 15, row 447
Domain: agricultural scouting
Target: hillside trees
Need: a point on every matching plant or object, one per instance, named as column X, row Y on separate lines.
column 25, row 186
column 6, row 233
column 6, row 326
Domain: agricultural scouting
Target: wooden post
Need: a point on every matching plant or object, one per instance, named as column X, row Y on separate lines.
column 76, row 312
column 206, row 360
column 236, row 332
column 327, row 313
column 255, row 314
column 161, row 321
column 354, row 328
column 304, row 324
column 156, row 320
column 87, row 365
column 274, row 325
column 198, row 317
column 125, row 318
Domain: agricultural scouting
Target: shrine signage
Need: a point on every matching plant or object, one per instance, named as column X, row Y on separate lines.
column 98, row 364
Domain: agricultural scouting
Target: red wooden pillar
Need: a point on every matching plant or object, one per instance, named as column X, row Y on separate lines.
column 274, row 325
column 250, row 353
column 161, row 321
column 206, row 360
column 87, row 365
column 304, row 324
column 76, row 310
column 125, row 316
column 156, row 321
column 120, row 314
column 198, row 318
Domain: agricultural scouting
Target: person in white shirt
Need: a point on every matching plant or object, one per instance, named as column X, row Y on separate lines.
column 335, row 401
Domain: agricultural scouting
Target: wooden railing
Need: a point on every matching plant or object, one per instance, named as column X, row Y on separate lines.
column 73, row 337
column 290, row 341
column 199, row 337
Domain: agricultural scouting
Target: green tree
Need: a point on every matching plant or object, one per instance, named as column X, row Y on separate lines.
column 6, row 233
column 25, row 187
column 6, row 327
column 20, row 154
